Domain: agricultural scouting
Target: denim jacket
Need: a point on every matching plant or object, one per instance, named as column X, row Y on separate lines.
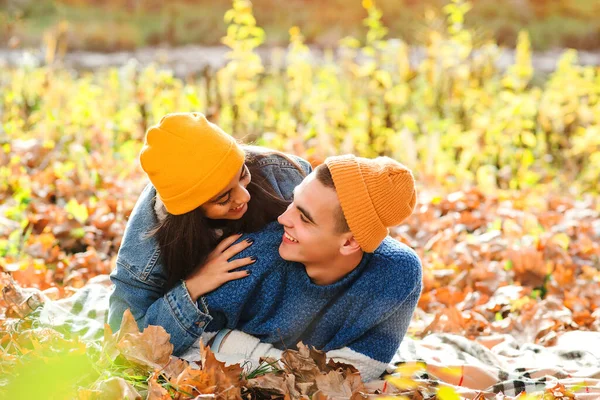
column 140, row 277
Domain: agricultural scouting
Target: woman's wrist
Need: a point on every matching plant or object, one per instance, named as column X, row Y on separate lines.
column 193, row 293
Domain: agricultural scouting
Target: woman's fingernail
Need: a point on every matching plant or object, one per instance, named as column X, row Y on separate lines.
column 250, row 240
column 253, row 258
column 248, row 271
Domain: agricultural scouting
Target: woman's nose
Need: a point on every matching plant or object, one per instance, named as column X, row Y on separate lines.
column 241, row 195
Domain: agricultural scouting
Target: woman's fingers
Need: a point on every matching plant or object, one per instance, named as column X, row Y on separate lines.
column 225, row 243
column 237, row 275
column 236, row 248
column 240, row 263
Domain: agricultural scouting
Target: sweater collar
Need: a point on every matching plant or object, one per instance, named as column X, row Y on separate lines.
column 336, row 287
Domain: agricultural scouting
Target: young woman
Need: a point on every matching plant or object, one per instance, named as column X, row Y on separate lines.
column 205, row 191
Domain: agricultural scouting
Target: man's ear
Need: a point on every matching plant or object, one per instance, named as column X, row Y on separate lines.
column 350, row 245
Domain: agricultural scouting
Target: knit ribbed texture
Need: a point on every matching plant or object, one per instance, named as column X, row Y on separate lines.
column 368, row 310
column 189, row 160
column 374, row 194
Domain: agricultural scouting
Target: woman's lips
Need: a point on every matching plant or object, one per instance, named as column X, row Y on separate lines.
column 239, row 209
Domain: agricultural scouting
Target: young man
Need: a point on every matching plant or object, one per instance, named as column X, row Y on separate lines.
column 327, row 274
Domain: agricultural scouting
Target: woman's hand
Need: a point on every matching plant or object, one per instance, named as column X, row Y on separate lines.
column 216, row 270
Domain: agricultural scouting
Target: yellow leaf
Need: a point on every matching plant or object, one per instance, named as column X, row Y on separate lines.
column 409, row 369
column 528, row 139
column 403, row 383
column 561, row 239
column 447, row 393
column 454, row 371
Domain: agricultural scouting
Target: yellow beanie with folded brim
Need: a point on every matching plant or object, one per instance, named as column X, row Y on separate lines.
column 189, row 160
column 375, row 194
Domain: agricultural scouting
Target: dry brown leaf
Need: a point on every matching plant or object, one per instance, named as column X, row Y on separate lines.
column 449, row 320
column 175, row 367
column 227, row 375
column 529, row 266
column 195, row 382
column 301, row 364
column 345, row 368
column 115, row 389
column 156, row 391
column 128, row 325
column 278, row 385
column 336, row 386
column 212, row 379
column 151, row 348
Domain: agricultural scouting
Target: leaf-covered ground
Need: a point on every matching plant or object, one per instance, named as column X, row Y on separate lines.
column 525, row 263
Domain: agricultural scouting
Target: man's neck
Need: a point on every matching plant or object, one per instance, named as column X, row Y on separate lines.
column 331, row 271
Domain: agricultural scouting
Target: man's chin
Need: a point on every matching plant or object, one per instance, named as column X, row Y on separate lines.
column 284, row 253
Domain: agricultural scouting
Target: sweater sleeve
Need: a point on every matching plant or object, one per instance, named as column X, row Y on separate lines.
column 370, row 354
column 239, row 347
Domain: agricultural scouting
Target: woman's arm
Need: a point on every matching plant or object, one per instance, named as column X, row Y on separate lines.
column 139, row 279
column 174, row 311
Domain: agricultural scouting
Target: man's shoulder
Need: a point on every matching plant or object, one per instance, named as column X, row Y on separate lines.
column 392, row 250
column 265, row 247
column 396, row 264
column 267, row 239
column 272, row 229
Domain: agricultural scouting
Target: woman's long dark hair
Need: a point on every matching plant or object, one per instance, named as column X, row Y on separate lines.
column 186, row 240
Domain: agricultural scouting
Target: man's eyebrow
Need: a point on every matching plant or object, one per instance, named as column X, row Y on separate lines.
column 229, row 191
column 306, row 214
column 302, row 210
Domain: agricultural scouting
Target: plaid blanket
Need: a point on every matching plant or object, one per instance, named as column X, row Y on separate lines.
column 500, row 365
column 82, row 314
column 493, row 365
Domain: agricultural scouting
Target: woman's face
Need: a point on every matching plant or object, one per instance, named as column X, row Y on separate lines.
column 232, row 202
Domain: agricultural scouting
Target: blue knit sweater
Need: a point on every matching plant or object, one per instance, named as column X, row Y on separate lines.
column 368, row 310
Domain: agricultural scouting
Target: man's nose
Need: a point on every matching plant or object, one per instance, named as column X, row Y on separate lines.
column 284, row 219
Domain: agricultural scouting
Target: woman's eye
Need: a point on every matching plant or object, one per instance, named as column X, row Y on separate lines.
column 302, row 218
column 224, row 203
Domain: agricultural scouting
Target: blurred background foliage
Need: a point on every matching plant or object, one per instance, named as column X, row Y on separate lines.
column 111, row 25
column 455, row 118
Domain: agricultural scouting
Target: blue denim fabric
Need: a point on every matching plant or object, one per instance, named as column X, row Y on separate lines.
column 140, row 277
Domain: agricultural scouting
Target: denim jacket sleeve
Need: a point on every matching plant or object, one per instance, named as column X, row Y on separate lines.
column 139, row 280
column 140, row 277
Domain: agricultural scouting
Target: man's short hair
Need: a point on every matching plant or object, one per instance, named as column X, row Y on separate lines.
column 324, row 176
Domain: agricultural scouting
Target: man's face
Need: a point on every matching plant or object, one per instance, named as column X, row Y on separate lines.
column 310, row 224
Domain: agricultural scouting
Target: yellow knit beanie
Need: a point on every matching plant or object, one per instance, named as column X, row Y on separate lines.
column 375, row 194
column 189, row 160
